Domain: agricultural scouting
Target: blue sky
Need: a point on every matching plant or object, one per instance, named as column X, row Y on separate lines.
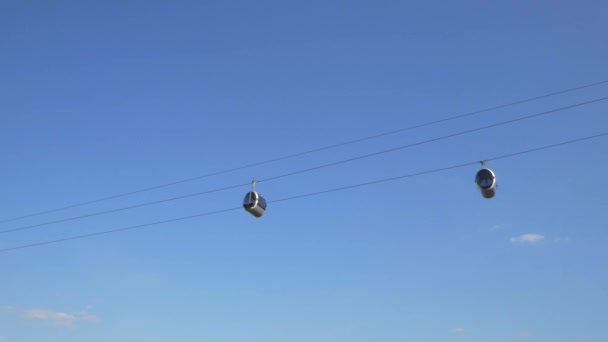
column 102, row 98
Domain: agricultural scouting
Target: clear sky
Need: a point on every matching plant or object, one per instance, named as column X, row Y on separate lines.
column 98, row 98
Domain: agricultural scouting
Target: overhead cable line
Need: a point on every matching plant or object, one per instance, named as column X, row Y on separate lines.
column 435, row 139
column 121, row 209
column 307, row 152
column 105, row 232
column 440, row 169
column 308, row 169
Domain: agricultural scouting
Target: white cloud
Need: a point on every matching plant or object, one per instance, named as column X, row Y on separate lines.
column 527, row 239
column 458, row 331
column 55, row 318
column 7, row 309
column 496, row 227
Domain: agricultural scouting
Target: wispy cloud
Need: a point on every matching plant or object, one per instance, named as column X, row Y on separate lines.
column 55, row 318
column 7, row 309
column 499, row 226
column 523, row 334
column 59, row 318
column 561, row 239
column 458, row 331
column 527, row 239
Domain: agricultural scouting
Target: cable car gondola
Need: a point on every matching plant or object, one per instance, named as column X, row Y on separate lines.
column 254, row 203
column 486, row 181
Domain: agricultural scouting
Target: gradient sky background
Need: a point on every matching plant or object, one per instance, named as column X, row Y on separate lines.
column 104, row 97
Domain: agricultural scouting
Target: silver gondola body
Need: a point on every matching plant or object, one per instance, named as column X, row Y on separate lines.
column 486, row 182
column 254, row 203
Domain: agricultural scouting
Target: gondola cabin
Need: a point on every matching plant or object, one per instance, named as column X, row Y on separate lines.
column 254, row 203
column 486, row 182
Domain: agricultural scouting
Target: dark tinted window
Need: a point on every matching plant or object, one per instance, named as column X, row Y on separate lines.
column 262, row 203
column 249, row 200
column 484, row 178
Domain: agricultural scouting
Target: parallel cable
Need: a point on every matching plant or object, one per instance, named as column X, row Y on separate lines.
column 120, row 229
column 307, row 152
column 434, row 139
column 438, row 170
column 304, row 195
column 306, row 170
column 122, row 209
